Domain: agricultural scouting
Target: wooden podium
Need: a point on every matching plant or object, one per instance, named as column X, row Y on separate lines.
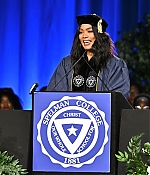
column 16, row 128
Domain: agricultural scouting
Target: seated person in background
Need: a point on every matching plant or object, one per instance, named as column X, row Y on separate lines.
column 135, row 89
column 142, row 101
column 9, row 100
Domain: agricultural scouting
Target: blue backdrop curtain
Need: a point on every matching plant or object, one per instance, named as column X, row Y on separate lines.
column 36, row 34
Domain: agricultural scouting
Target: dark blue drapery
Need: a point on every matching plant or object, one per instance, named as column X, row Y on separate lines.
column 36, row 34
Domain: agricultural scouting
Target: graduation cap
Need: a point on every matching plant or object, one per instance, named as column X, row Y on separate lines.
column 94, row 20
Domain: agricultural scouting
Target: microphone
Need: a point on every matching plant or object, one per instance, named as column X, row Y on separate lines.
column 33, row 88
column 69, row 70
column 96, row 74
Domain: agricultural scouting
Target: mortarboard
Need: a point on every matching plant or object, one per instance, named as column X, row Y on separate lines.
column 94, row 20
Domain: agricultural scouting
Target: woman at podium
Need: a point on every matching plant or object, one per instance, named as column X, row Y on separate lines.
column 92, row 64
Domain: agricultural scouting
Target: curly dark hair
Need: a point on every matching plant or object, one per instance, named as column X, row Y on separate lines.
column 103, row 49
column 13, row 98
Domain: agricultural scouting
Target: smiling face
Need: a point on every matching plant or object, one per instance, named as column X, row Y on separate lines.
column 86, row 36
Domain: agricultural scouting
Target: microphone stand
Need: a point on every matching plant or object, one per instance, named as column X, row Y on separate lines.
column 69, row 70
column 33, row 88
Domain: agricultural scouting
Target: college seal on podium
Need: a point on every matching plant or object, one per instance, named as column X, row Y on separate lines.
column 72, row 132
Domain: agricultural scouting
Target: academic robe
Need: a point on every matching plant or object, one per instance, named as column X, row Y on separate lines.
column 114, row 76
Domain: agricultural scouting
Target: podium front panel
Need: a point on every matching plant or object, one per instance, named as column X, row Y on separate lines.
column 71, row 132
